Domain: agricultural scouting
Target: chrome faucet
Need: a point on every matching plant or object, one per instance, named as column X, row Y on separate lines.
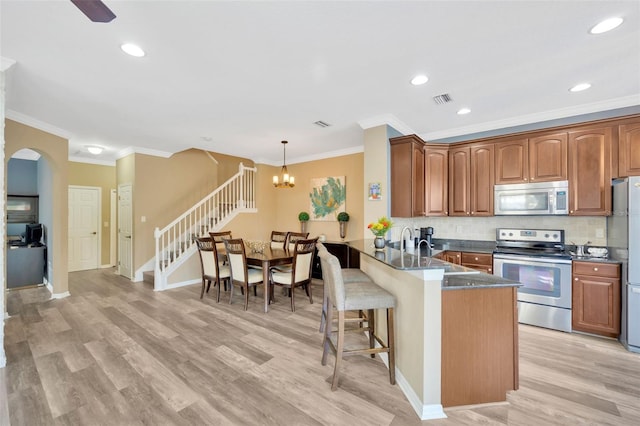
column 402, row 244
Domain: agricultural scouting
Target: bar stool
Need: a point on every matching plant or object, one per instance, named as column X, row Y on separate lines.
column 349, row 275
column 357, row 296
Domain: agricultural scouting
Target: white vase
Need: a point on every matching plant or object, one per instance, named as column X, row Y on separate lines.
column 379, row 243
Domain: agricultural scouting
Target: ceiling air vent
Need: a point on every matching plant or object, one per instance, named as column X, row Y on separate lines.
column 321, row 123
column 442, row 99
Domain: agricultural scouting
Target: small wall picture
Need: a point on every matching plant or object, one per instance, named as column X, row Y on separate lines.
column 328, row 196
column 374, row 191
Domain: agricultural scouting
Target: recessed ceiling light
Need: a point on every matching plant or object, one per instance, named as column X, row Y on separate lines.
column 580, row 87
column 463, row 111
column 133, row 50
column 419, row 79
column 95, row 149
column 606, row 25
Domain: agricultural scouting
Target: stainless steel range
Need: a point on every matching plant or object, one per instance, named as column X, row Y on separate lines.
column 537, row 258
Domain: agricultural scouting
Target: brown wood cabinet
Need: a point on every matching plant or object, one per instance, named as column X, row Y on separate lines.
column 459, row 181
column 596, row 298
column 512, row 161
column 538, row 159
column 436, row 181
column 482, row 170
column 480, row 261
column 407, row 176
column 629, row 149
column 471, row 180
column 590, row 171
column 479, row 345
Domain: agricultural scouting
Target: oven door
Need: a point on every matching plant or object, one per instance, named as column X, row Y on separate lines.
column 545, row 281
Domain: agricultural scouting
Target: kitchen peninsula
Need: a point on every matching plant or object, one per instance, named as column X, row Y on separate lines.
column 455, row 328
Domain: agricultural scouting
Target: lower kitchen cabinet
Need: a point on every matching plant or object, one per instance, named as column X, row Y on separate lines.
column 481, row 261
column 596, row 298
column 479, row 345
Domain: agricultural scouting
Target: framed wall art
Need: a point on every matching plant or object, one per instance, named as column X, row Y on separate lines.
column 327, row 197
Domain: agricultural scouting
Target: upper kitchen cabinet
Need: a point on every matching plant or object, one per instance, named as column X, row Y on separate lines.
column 548, row 158
column 590, row 171
column 482, row 167
column 629, row 148
column 459, row 180
column 538, row 159
column 471, row 171
column 407, row 176
column 436, row 180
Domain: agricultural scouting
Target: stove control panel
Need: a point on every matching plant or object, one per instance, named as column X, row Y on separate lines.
column 530, row 235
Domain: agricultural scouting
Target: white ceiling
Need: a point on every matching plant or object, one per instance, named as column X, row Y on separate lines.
column 237, row 77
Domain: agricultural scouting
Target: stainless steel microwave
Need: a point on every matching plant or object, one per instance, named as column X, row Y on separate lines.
column 540, row 198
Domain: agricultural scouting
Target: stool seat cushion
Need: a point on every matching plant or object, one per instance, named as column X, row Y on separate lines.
column 350, row 275
column 366, row 295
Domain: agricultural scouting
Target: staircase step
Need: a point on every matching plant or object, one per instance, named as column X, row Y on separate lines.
column 149, row 277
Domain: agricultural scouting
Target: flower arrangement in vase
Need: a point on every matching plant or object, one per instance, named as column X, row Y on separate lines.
column 379, row 228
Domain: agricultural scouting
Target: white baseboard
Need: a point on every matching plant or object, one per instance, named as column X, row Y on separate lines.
column 424, row 411
column 181, row 284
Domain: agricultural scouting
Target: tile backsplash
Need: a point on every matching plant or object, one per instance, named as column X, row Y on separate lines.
column 578, row 229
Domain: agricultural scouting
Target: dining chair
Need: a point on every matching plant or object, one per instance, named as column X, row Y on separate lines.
column 349, row 275
column 212, row 269
column 221, row 255
column 295, row 236
column 241, row 274
column 300, row 273
column 357, row 296
column 279, row 239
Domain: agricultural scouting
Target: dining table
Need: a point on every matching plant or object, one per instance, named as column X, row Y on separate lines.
column 267, row 258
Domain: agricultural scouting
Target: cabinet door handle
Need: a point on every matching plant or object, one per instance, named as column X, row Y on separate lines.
column 576, row 279
column 595, row 269
column 475, row 258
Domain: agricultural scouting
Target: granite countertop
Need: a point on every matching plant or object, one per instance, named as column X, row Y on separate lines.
column 479, row 280
column 455, row 276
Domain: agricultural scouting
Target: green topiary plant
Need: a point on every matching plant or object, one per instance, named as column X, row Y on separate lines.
column 303, row 216
column 343, row 217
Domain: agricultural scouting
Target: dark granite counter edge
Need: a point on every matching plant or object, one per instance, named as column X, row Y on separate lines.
column 456, row 277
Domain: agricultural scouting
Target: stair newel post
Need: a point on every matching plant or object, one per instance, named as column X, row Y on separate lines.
column 156, row 271
column 242, row 186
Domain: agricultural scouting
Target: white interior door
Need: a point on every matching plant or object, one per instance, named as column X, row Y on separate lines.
column 84, row 227
column 125, row 230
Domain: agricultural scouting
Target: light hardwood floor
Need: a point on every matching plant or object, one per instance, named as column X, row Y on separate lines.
column 117, row 353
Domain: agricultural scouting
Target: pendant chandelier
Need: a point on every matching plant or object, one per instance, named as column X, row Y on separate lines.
column 284, row 181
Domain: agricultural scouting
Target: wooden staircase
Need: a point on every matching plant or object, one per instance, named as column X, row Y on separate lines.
column 175, row 243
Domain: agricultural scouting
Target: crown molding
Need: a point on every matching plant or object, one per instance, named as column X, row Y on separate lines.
column 92, row 161
column 315, row 157
column 555, row 114
column 40, row 125
column 140, row 150
column 388, row 119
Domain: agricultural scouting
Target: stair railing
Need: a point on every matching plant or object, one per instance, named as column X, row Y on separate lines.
column 175, row 241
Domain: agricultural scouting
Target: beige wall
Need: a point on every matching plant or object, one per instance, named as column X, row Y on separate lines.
column 376, row 154
column 164, row 188
column 104, row 177
column 56, row 152
column 291, row 201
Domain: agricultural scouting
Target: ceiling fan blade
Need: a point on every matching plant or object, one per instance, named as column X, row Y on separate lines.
column 95, row 10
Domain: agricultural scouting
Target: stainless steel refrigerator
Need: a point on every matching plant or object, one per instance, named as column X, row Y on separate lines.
column 623, row 239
